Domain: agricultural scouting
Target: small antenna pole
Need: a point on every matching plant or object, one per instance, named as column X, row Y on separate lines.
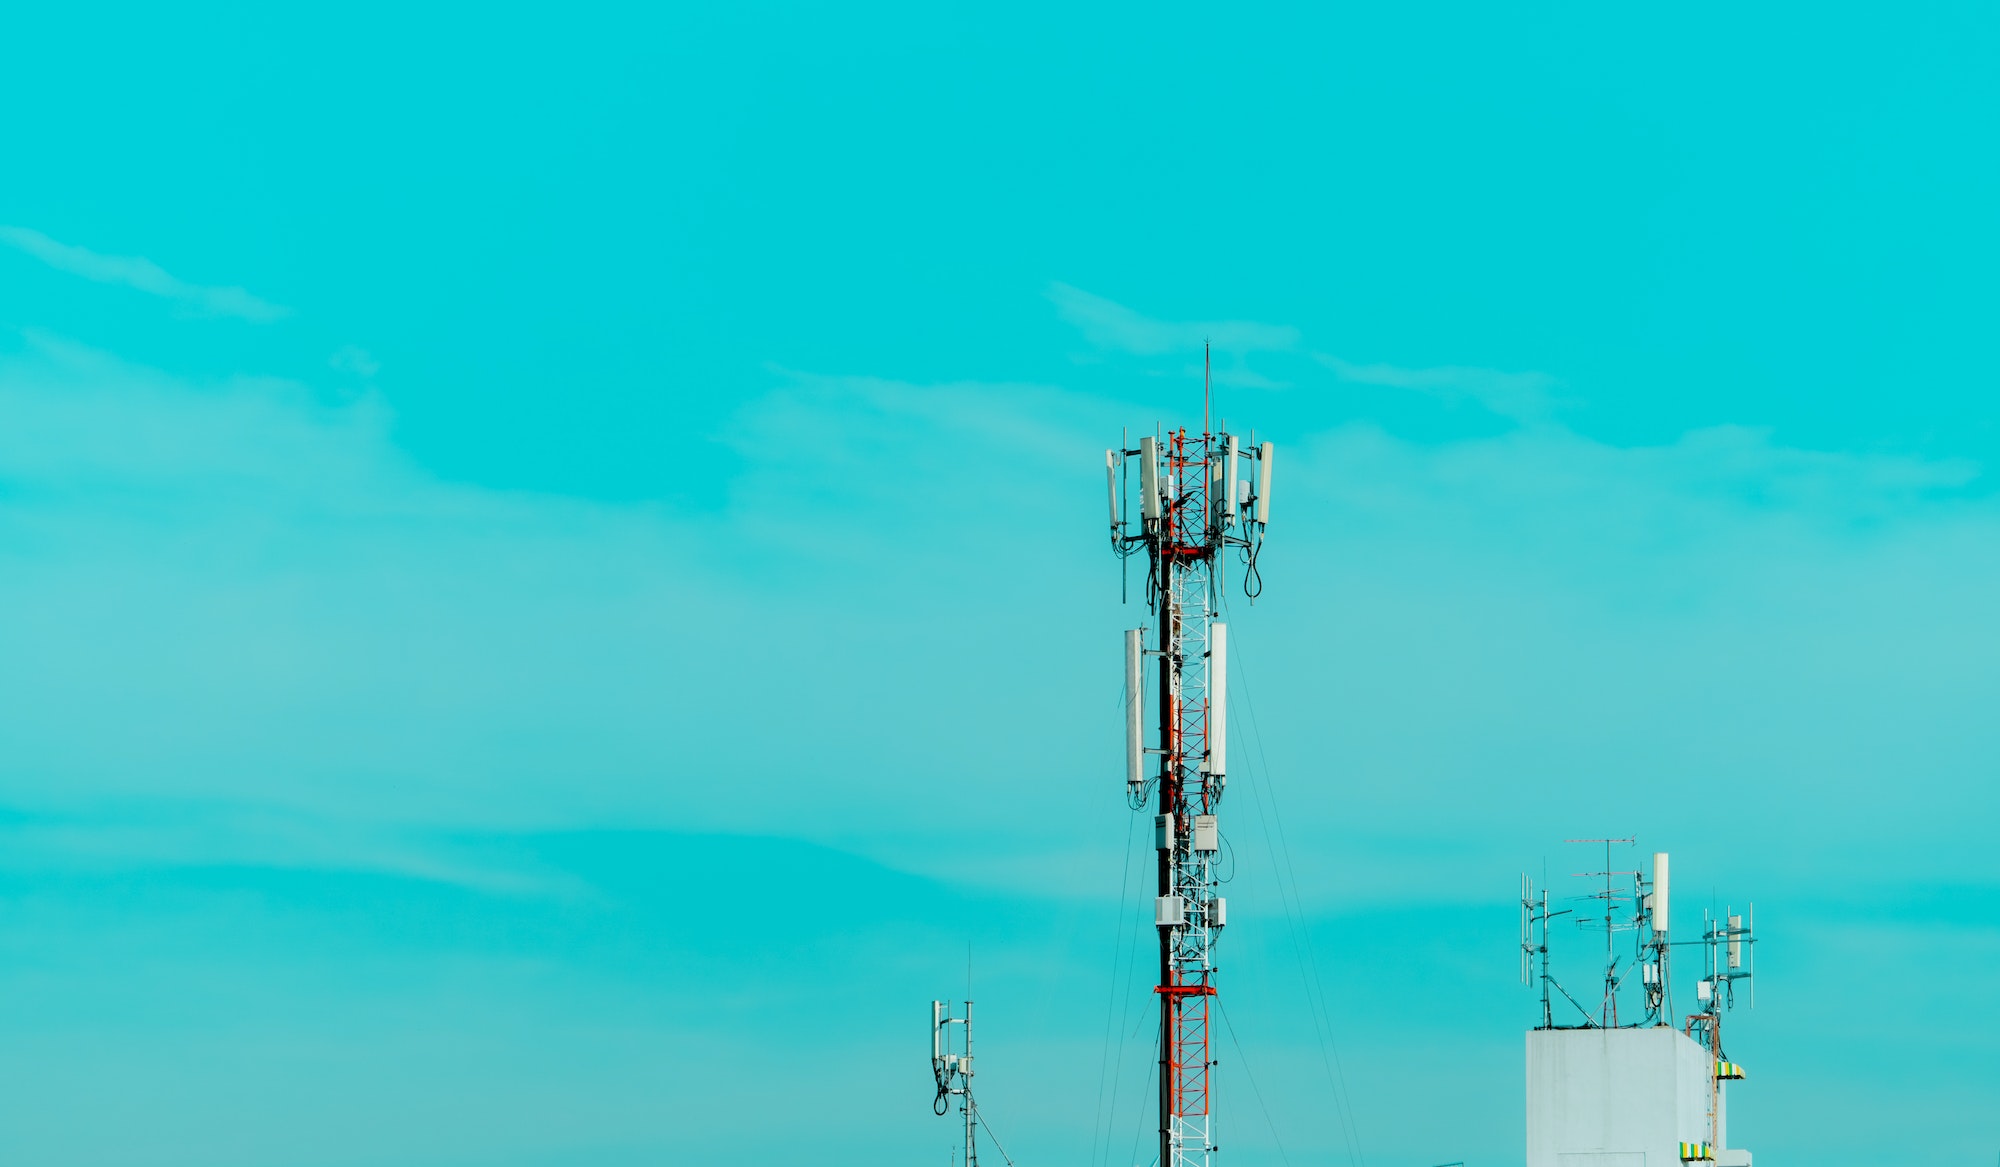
column 951, row 1067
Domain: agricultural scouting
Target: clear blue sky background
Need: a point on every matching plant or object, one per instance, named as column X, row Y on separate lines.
column 552, row 575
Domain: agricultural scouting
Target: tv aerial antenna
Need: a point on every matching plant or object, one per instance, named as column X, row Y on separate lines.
column 1616, row 919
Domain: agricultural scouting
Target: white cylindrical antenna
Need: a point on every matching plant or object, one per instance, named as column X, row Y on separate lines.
column 1135, row 713
column 1218, row 699
column 1149, row 477
column 1660, row 892
column 1229, row 454
column 1111, row 484
column 1264, row 483
column 937, row 1030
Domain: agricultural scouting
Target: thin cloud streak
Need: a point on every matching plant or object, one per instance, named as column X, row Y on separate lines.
column 1111, row 325
column 143, row 275
column 1520, row 396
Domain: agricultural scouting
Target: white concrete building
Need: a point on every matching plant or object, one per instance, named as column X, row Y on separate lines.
column 1625, row 1098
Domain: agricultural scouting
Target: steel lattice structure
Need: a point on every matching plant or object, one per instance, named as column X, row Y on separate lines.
column 1193, row 510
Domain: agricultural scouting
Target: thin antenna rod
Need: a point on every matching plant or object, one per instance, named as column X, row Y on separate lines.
column 1207, row 394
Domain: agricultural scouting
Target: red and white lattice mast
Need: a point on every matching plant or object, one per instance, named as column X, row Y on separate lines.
column 1195, row 503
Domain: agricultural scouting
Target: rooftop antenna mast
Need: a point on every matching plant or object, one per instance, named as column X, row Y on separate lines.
column 1655, row 950
column 1535, row 917
column 951, row 1068
column 1725, row 943
column 1194, row 505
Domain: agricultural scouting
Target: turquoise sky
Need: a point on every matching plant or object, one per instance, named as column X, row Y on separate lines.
column 552, row 575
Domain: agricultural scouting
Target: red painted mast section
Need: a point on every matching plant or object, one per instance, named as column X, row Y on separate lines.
column 1185, row 791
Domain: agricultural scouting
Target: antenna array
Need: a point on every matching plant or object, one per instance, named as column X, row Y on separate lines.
column 1632, row 902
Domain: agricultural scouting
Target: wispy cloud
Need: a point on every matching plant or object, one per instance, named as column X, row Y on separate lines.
column 143, row 274
column 352, row 358
column 1520, row 396
column 1112, row 325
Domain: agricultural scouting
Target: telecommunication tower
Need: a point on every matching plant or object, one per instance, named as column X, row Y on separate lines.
column 1194, row 505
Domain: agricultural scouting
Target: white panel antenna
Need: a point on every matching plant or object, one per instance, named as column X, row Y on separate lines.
column 1135, row 702
column 1111, row 485
column 1230, row 453
column 1660, row 916
column 1149, row 478
column 1264, row 483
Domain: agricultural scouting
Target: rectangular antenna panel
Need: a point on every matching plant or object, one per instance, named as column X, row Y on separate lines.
column 1218, row 700
column 1135, row 713
column 1264, row 483
column 1229, row 456
column 1218, row 913
column 1163, row 832
column 1735, row 942
column 1204, row 832
column 1170, row 912
column 1660, row 917
column 1149, row 477
column 1111, row 484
